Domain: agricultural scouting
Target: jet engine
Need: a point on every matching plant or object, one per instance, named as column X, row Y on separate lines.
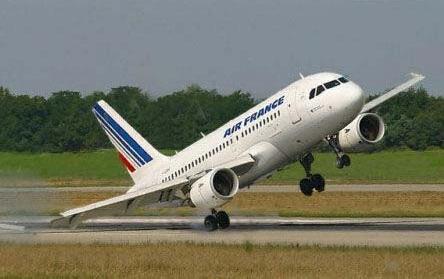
column 214, row 189
column 366, row 130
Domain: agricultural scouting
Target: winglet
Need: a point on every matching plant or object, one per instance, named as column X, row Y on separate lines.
column 415, row 75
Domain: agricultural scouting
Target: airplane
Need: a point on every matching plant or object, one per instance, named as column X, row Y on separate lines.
column 278, row 131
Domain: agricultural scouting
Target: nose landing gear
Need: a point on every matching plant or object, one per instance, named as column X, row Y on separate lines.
column 311, row 181
column 342, row 160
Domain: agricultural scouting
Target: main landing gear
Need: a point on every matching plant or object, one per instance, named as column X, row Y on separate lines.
column 342, row 160
column 217, row 219
column 311, row 181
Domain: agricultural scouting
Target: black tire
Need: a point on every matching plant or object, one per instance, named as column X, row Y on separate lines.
column 318, row 182
column 223, row 220
column 210, row 223
column 306, row 187
column 339, row 163
column 346, row 160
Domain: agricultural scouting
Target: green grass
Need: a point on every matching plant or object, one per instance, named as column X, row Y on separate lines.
column 190, row 260
column 403, row 166
column 103, row 168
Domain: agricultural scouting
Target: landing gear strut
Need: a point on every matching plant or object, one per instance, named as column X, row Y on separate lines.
column 311, row 181
column 217, row 219
column 342, row 160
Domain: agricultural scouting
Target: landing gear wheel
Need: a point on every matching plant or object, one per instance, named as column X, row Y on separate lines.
column 210, row 223
column 346, row 160
column 318, row 182
column 306, row 186
column 343, row 161
column 223, row 219
column 339, row 163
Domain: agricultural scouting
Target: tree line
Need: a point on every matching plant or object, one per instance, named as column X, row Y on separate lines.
column 64, row 121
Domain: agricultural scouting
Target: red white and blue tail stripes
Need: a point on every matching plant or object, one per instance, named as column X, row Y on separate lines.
column 131, row 153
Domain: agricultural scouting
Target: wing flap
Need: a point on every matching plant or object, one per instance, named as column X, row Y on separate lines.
column 393, row 92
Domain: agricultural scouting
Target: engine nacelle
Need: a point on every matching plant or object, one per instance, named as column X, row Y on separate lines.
column 366, row 130
column 214, row 189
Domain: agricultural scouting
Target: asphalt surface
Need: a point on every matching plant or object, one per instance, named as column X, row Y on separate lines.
column 275, row 230
column 254, row 188
column 261, row 230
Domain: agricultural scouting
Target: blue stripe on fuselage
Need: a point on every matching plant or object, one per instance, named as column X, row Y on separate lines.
column 123, row 134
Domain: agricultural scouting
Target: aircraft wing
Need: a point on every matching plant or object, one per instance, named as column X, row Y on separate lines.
column 240, row 165
column 157, row 194
column 415, row 78
column 120, row 205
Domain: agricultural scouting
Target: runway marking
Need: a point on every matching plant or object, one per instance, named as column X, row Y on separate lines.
column 261, row 230
column 9, row 227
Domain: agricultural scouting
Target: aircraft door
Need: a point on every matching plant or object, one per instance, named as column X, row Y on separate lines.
column 294, row 105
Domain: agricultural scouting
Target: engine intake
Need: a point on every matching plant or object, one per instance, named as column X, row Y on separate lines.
column 363, row 132
column 214, row 189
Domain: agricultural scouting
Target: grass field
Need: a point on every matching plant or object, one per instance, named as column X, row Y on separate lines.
column 103, row 168
column 188, row 260
column 327, row 204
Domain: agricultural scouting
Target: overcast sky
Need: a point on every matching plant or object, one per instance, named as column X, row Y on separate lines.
column 257, row 46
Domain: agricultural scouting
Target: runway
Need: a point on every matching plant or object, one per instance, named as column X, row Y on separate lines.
column 258, row 230
column 260, row 188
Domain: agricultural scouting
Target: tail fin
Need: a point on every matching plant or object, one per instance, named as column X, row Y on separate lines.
column 134, row 151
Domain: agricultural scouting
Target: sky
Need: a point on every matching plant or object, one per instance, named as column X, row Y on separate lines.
column 256, row 46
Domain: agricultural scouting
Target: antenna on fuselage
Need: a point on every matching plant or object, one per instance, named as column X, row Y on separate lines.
column 202, row 134
column 301, row 75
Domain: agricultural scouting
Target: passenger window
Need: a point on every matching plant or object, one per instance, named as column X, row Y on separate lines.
column 312, row 93
column 319, row 90
column 343, row 80
column 331, row 84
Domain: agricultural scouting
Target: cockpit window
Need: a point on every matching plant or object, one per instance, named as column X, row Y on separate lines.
column 312, row 93
column 319, row 89
column 331, row 84
column 343, row 80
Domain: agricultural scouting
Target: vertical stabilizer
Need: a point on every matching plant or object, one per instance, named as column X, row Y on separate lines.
column 134, row 151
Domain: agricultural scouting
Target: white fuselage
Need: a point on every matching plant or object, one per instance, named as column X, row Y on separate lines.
column 275, row 132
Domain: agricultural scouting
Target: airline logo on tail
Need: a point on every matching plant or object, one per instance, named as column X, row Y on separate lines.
column 131, row 153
